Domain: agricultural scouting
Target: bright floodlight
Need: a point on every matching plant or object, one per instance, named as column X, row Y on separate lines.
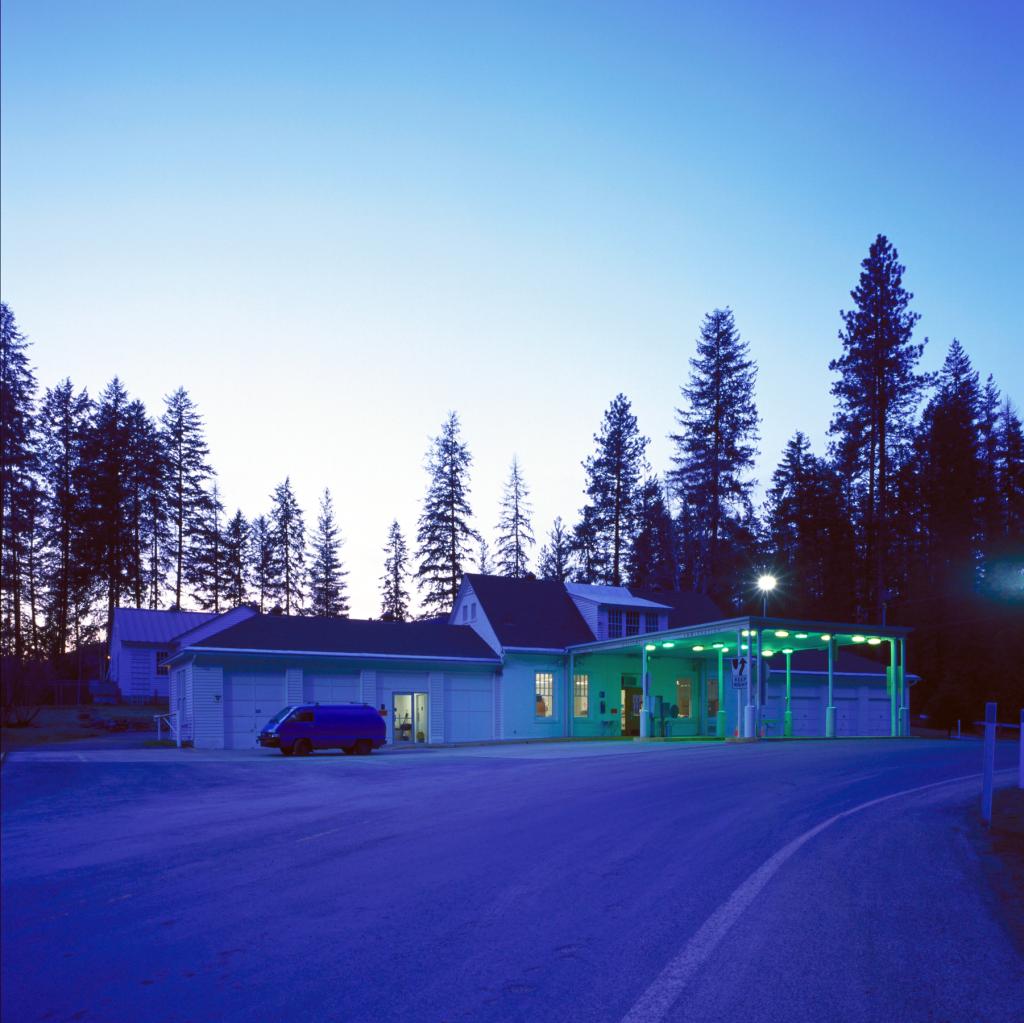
column 766, row 583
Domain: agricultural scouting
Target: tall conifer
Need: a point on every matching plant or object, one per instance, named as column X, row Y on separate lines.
column 444, row 534
column 877, row 393
column 714, row 453
column 394, row 604
column 288, row 541
column 515, row 532
column 553, row 560
column 326, row 573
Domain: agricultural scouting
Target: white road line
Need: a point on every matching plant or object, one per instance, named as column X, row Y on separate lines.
column 319, row 834
column 662, row 994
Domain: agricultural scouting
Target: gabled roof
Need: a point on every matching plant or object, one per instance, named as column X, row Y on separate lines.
column 685, row 606
column 617, row 596
column 350, row 636
column 140, row 625
column 530, row 612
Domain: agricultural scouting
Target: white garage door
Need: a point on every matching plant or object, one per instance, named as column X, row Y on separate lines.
column 877, row 715
column 808, row 713
column 331, row 688
column 250, row 701
column 847, row 713
column 468, row 708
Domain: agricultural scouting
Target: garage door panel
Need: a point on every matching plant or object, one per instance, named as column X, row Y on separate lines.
column 331, row 688
column 250, row 701
column 469, row 708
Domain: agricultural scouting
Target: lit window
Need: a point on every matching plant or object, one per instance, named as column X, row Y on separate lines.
column 544, row 685
column 581, row 695
column 650, row 623
column 614, row 624
column 161, row 661
column 684, row 697
column 632, row 623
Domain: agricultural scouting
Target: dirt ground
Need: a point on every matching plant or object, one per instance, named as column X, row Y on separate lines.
column 65, row 724
column 1001, row 853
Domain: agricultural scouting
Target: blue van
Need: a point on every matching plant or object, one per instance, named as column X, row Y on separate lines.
column 353, row 727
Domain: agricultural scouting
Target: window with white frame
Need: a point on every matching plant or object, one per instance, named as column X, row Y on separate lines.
column 544, row 688
column 632, row 623
column 161, row 661
column 650, row 623
column 614, row 623
column 581, row 696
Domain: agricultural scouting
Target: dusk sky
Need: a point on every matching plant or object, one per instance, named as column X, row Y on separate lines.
column 333, row 223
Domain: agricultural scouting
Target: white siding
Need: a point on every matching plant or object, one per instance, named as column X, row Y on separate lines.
column 499, row 715
column 435, row 709
column 208, row 695
column 588, row 609
column 468, row 707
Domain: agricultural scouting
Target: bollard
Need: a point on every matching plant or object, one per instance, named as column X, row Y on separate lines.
column 988, row 762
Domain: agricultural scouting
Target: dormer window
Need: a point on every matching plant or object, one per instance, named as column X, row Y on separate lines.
column 650, row 623
column 614, row 623
column 632, row 623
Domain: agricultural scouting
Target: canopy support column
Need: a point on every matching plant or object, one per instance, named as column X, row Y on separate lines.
column 787, row 721
column 645, row 712
column 720, row 722
column 570, row 704
column 904, row 692
column 754, row 667
column 830, row 710
column 892, row 676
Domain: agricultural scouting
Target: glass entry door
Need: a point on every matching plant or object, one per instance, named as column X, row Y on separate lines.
column 409, row 717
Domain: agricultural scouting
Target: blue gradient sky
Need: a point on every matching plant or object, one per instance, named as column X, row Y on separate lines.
column 334, row 222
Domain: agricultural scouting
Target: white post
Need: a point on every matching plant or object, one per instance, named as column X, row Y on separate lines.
column 177, row 729
column 754, row 650
column 159, row 722
column 645, row 710
column 988, row 762
column 830, row 710
column 572, row 695
column 1020, row 760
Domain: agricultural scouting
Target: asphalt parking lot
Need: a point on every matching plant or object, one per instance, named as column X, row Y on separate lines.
column 527, row 882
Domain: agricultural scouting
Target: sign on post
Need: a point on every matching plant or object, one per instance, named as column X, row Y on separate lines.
column 739, row 673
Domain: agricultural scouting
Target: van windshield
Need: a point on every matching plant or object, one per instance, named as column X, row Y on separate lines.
column 280, row 716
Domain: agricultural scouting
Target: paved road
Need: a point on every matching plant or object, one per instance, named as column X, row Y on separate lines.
column 601, row 882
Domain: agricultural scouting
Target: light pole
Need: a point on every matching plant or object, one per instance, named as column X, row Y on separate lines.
column 765, row 583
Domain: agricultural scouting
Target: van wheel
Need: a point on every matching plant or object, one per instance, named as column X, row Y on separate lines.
column 302, row 748
column 286, row 751
column 363, row 747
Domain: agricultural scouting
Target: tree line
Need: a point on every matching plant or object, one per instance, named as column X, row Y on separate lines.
column 914, row 513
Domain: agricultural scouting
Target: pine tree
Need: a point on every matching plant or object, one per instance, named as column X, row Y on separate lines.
column 589, row 556
column 185, row 455
column 288, row 541
column 444, row 532
column 715, row 451
column 394, row 606
column 553, row 560
column 614, row 473
column 261, row 562
column 988, row 440
column 64, row 423
column 1011, row 476
column 326, row 573
column 484, row 564
column 236, row 561
column 144, row 495
column 652, row 558
column 108, row 456
column 877, row 394
column 808, row 535
column 17, row 468
column 515, row 533
column 206, row 558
